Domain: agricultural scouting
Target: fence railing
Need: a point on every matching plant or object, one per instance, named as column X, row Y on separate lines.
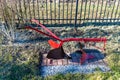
column 67, row 12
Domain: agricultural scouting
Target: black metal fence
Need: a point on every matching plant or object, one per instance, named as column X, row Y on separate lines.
column 67, row 12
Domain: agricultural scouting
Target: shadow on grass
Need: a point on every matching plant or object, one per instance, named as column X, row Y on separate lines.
column 93, row 52
column 38, row 39
column 85, row 24
column 107, row 23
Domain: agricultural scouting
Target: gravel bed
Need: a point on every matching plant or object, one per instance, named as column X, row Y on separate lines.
column 89, row 65
column 71, row 68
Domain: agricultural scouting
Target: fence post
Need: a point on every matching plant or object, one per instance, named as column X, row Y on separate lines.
column 76, row 15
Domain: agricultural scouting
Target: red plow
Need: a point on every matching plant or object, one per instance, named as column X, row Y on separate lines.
column 57, row 47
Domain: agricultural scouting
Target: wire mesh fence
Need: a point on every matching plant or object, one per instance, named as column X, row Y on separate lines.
column 66, row 12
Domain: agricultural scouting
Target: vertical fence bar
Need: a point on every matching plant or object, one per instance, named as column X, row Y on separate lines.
column 17, row 11
column 59, row 11
column 63, row 12
column 34, row 9
column 89, row 11
column 55, row 10
column 3, row 14
column 112, row 10
column 25, row 12
column 76, row 14
column 117, row 9
column 105, row 11
column 47, row 10
column 81, row 11
column 97, row 11
column 71, row 11
column 85, row 9
column 51, row 11
column 20, row 9
column 38, row 9
column 108, row 12
column 93, row 11
column 29, row 10
column 67, row 12
column 101, row 10
column 42, row 8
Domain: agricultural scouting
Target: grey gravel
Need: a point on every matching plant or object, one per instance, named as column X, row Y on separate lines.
column 63, row 69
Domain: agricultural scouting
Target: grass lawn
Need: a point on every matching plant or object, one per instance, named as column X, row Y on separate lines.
column 20, row 62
